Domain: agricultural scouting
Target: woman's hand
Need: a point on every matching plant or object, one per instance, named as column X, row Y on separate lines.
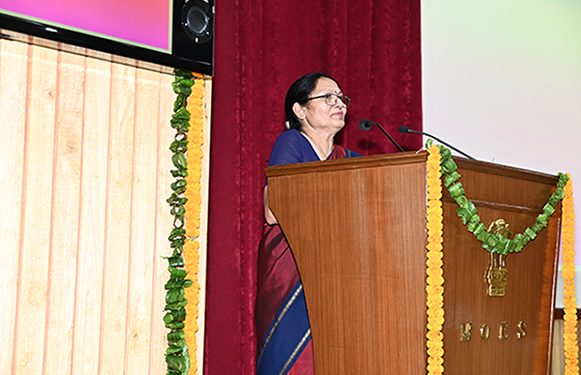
column 268, row 215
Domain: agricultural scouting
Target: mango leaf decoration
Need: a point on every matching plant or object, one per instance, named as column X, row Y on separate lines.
column 468, row 213
column 176, row 356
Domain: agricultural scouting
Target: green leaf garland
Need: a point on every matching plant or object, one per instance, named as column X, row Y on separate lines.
column 468, row 213
column 176, row 355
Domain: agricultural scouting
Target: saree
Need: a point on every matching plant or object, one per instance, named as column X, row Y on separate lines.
column 283, row 329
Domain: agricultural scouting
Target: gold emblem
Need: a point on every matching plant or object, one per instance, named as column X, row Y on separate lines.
column 497, row 275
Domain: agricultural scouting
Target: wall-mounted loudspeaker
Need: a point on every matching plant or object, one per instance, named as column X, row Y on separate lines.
column 193, row 28
column 198, row 21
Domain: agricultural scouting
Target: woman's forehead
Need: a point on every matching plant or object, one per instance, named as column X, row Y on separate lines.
column 325, row 84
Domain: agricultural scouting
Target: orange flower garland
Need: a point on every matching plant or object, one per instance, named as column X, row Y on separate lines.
column 568, row 247
column 435, row 279
column 192, row 215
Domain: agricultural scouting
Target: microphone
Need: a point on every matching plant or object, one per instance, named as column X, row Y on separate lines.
column 405, row 129
column 365, row 124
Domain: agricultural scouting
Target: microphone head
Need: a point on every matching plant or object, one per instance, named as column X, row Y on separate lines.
column 403, row 129
column 365, row 124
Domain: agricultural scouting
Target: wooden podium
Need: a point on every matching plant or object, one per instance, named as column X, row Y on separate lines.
column 357, row 231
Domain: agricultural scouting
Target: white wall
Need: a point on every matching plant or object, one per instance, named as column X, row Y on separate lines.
column 502, row 82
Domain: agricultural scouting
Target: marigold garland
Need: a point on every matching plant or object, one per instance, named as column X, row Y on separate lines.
column 436, row 166
column 181, row 316
column 568, row 272
column 193, row 215
column 435, row 279
column 177, row 354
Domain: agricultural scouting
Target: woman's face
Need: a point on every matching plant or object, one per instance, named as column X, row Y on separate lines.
column 320, row 116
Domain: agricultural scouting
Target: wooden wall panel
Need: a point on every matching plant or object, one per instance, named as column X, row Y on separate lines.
column 37, row 235
column 94, row 188
column 162, row 228
column 65, row 213
column 118, row 218
column 13, row 67
column 84, row 178
column 143, row 222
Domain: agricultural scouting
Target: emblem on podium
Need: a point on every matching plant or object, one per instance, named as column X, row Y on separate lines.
column 497, row 275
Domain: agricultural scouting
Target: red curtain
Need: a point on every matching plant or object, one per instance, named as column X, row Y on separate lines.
column 372, row 48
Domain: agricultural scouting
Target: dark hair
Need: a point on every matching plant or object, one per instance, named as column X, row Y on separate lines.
column 299, row 92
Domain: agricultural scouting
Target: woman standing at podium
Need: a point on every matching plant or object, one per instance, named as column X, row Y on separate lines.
column 315, row 108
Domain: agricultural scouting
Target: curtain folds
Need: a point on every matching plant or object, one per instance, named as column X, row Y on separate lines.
column 371, row 47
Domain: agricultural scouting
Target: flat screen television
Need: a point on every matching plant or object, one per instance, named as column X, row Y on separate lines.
column 175, row 33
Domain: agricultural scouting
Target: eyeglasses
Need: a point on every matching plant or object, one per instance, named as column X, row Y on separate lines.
column 332, row 99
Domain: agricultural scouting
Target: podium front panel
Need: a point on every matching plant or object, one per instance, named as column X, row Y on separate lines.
column 357, row 229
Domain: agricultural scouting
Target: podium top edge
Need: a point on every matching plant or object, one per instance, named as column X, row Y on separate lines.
column 403, row 158
column 348, row 163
